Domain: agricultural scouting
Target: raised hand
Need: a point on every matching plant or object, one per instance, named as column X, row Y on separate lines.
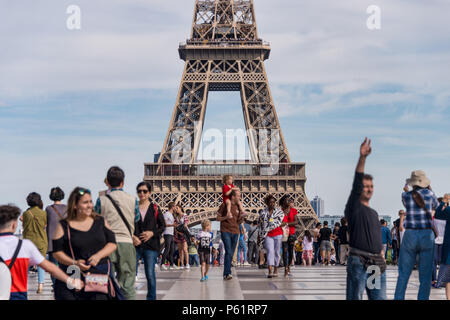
column 365, row 148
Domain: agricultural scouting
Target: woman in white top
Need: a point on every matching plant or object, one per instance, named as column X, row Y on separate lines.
column 307, row 248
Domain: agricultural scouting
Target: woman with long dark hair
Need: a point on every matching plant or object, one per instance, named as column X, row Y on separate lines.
column 180, row 237
column 307, row 248
column 84, row 241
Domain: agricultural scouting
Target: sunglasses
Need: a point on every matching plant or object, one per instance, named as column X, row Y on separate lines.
column 84, row 191
column 142, row 191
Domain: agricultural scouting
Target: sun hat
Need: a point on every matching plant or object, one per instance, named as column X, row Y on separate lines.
column 418, row 178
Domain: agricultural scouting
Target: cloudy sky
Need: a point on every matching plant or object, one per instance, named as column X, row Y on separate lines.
column 73, row 103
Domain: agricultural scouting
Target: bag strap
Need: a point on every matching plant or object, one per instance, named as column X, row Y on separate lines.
column 120, row 214
column 15, row 255
column 155, row 208
column 61, row 217
column 70, row 242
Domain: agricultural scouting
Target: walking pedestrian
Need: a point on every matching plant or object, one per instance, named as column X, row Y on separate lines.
column 229, row 229
column 440, row 225
column 252, row 242
column 242, row 246
column 194, row 259
column 289, row 222
column 55, row 213
column 418, row 240
column 316, row 243
column 366, row 258
column 147, row 236
column 17, row 255
column 307, row 248
column 343, row 236
column 121, row 211
column 443, row 213
column 385, row 237
column 34, row 221
column 180, row 237
column 85, row 239
column 204, row 249
column 336, row 242
column 270, row 235
column 168, row 238
column 325, row 243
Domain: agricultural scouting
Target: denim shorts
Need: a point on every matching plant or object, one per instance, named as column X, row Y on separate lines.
column 325, row 245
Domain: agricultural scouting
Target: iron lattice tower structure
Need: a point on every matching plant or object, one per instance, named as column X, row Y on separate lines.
column 224, row 53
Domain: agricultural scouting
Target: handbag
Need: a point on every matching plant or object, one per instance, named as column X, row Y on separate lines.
column 93, row 282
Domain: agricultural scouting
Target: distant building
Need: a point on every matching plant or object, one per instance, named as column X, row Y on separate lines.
column 333, row 219
column 318, row 205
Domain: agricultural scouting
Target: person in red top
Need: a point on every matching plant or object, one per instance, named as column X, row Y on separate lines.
column 18, row 255
column 228, row 186
column 270, row 233
column 289, row 222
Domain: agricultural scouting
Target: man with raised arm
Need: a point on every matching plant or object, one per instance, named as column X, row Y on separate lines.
column 366, row 265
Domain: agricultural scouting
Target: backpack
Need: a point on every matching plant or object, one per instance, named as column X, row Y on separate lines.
column 5, row 286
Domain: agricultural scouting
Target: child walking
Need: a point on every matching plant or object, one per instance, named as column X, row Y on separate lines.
column 228, row 186
column 204, row 249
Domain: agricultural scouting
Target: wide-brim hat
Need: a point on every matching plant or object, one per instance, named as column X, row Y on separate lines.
column 418, row 178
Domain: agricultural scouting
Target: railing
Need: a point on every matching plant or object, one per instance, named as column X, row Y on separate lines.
column 218, row 170
column 225, row 43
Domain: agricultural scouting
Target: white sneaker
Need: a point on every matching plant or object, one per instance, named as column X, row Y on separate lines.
column 163, row 267
column 136, row 278
column 246, row 264
column 174, row 267
column 187, row 267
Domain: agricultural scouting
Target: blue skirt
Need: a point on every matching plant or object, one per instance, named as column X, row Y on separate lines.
column 444, row 275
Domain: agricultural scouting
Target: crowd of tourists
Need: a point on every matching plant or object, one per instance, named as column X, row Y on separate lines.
column 94, row 251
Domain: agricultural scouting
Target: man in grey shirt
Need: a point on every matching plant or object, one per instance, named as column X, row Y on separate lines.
column 252, row 242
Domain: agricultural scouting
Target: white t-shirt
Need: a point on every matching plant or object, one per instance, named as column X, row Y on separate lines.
column 307, row 245
column 169, row 219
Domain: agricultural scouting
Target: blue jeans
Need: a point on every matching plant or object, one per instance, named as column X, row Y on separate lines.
column 415, row 243
column 194, row 259
column 358, row 280
column 242, row 247
column 150, row 258
column 41, row 275
column 229, row 241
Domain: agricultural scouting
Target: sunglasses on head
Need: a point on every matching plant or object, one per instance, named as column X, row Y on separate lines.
column 142, row 191
column 84, row 191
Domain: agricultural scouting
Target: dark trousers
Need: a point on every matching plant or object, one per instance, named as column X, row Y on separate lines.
column 316, row 247
column 253, row 254
column 395, row 250
column 298, row 258
column 168, row 249
column 288, row 252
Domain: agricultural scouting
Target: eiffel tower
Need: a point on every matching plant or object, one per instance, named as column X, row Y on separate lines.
column 224, row 53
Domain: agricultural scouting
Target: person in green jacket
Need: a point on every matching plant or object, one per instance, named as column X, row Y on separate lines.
column 34, row 221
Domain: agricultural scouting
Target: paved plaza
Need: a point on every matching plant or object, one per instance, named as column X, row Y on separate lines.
column 250, row 283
